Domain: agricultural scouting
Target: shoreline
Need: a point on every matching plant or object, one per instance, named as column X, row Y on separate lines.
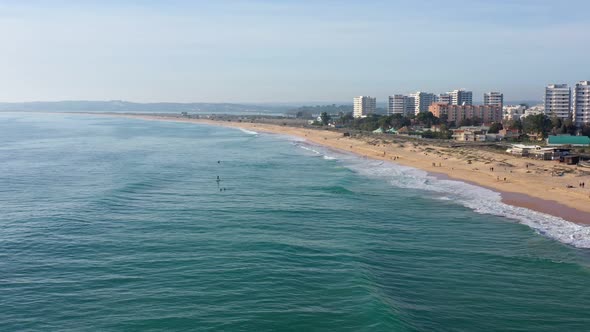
column 572, row 206
column 529, row 202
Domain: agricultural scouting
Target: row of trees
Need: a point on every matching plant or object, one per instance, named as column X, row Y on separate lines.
column 397, row 121
column 539, row 125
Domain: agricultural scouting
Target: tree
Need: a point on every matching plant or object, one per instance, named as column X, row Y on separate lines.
column 495, row 128
column 465, row 123
column 427, row 134
column 369, row 123
column 586, row 130
column 514, row 124
column 325, row 118
column 346, row 118
column 399, row 121
column 556, row 122
column 537, row 124
column 427, row 119
column 569, row 127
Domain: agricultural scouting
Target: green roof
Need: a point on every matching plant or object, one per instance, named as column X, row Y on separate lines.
column 568, row 140
column 378, row 131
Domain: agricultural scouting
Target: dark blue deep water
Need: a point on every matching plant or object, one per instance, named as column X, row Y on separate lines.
column 111, row 224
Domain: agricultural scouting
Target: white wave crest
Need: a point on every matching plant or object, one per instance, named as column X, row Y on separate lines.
column 250, row 132
column 315, row 150
column 479, row 199
column 308, row 148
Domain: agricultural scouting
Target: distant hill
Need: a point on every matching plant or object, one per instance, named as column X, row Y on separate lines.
column 126, row 106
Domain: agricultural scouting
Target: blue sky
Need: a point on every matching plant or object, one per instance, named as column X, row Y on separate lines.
column 288, row 51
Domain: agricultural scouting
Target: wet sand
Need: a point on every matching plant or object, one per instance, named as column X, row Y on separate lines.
column 532, row 203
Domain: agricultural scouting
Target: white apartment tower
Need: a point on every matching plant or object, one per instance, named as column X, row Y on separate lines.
column 558, row 100
column 581, row 103
column 423, row 100
column 493, row 99
column 401, row 104
column 363, row 106
column 461, row 97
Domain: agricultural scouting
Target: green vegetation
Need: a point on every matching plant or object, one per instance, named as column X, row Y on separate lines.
column 495, row 128
column 325, row 118
column 532, row 127
column 308, row 112
column 470, row 122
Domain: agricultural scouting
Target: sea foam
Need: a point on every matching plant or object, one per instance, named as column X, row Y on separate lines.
column 479, row 199
column 250, row 132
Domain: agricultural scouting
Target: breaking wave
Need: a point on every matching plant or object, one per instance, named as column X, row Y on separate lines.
column 250, row 132
column 479, row 199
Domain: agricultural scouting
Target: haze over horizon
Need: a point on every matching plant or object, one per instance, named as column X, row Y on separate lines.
column 292, row 51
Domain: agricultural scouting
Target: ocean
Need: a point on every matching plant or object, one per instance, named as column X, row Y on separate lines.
column 113, row 224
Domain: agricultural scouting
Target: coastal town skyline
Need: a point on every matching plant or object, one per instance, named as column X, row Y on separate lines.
column 560, row 100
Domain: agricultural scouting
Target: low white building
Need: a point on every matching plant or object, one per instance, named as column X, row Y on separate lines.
column 513, row 112
column 471, row 134
column 535, row 110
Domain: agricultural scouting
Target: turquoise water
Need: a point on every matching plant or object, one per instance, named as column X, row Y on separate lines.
column 117, row 225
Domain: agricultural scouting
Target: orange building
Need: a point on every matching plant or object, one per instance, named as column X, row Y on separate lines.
column 456, row 113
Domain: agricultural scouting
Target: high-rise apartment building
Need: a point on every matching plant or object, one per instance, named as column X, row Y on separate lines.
column 401, row 104
column 493, row 98
column 461, row 97
column 558, row 100
column 409, row 105
column 423, row 100
column 363, row 106
column 395, row 105
column 443, row 98
column 581, row 103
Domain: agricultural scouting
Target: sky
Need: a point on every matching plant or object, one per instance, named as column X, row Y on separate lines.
column 264, row 51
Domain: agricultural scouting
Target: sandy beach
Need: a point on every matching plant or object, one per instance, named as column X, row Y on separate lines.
column 521, row 181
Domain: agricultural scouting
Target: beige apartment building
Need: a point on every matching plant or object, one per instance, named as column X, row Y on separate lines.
column 456, row 113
